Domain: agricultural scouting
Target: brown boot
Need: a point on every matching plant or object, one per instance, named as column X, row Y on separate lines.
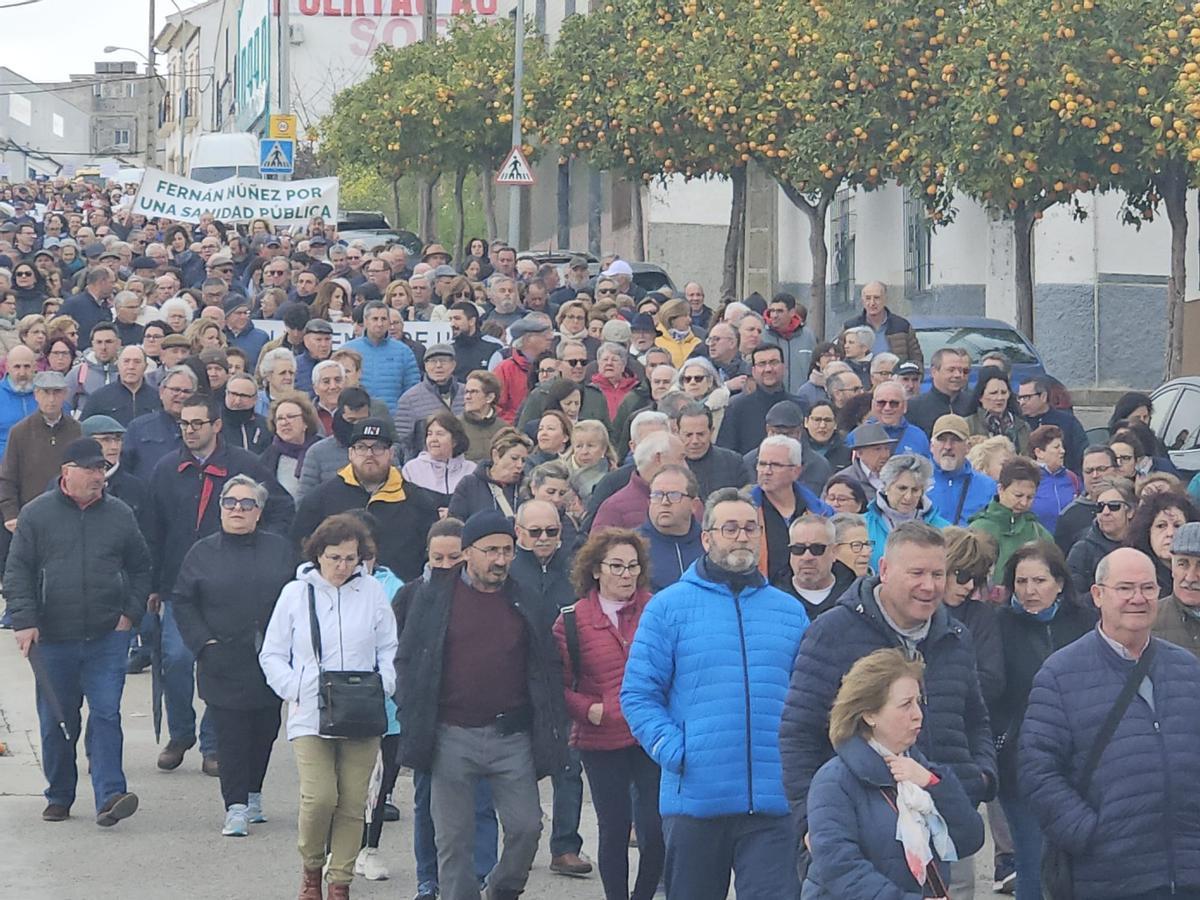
column 310, row 885
column 338, row 892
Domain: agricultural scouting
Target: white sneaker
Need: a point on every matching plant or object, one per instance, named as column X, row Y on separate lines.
column 369, row 865
column 236, row 824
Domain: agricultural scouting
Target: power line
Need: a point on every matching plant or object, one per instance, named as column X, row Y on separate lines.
column 76, row 85
column 18, row 3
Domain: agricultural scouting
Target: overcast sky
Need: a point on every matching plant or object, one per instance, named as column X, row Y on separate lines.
column 51, row 39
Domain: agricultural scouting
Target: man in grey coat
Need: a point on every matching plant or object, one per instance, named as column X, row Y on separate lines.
column 438, row 390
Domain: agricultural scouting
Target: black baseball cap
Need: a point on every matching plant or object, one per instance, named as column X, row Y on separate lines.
column 84, row 452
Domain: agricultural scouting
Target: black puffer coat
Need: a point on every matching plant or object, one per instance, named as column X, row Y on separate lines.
column 226, row 591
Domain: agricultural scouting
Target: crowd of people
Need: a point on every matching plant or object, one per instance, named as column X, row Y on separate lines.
column 802, row 618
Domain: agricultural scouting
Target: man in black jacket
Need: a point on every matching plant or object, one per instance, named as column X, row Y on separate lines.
column 541, row 570
column 817, row 578
column 480, row 694
column 129, row 396
column 76, row 583
column 902, row 608
column 185, row 489
column 948, row 392
column 744, row 425
column 714, row 467
column 472, row 350
column 373, row 483
column 242, row 426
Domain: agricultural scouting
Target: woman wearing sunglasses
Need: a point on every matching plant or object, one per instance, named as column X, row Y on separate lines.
column 611, row 574
column 224, row 598
column 698, row 379
column 1115, row 505
column 29, row 289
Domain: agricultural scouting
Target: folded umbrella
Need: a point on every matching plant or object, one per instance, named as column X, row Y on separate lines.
column 46, row 689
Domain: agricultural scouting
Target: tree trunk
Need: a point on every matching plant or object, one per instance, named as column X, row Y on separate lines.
column 595, row 212
column 460, row 212
column 735, row 236
column 818, row 252
column 489, row 202
column 1023, row 223
column 1172, row 184
column 638, row 221
column 564, row 204
column 396, row 203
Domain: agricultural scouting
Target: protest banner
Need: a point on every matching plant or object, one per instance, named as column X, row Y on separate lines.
column 236, row 200
column 427, row 333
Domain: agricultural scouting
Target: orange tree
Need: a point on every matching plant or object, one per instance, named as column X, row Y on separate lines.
column 834, row 89
column 629, row 89
column 431, row 108
column 1152, row 71
column 1024, row 122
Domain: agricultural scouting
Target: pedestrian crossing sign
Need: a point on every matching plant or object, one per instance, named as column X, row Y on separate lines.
column 515, row 170
column 277, row 156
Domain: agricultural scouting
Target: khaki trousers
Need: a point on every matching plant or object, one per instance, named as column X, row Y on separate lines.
column 334, row 775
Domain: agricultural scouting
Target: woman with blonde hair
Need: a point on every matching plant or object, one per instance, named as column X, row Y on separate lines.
column 990, row 454
column 591, row 456
column 204, row 334
column 882, row 820
column 398, row 295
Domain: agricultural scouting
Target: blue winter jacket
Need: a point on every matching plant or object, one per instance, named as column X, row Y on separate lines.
column 1054, row 494
column 852, row 827
column 391, row 585
column 1138, row 828
column 908, row 437
column 703, row 691
column 14, row 406
column 948, row 486
column 878, row 527
column 389, row 368
column 148, row 439
column 956, row 731
column 251, row 342
column 670, row 555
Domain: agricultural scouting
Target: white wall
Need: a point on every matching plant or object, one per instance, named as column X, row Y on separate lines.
column 693, row 202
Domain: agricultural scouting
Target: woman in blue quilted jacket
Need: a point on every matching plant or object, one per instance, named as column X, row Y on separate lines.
column 882, row 820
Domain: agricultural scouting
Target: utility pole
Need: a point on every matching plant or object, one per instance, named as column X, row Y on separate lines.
column 514, row 192
column 285, row 57
column 151, row 97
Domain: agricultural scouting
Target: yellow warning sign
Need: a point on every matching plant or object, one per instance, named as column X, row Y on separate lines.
column 282, row 126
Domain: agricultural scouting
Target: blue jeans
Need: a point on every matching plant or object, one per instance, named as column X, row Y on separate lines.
column 703, row 853
column 1027, row 844
column 568, row 806
column 77, row 670
column 487, row 832
column 179, row 687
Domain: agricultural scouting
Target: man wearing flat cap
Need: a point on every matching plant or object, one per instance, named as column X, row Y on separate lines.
column 76, row 582
column 480, row 690
column 872, row 448
column 532, row 336
column 439, row 391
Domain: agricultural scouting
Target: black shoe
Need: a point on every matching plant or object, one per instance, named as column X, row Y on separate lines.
column 118, row 807
column 56, row 812
column 211, row 766
column 136, row 665
column 390, row 813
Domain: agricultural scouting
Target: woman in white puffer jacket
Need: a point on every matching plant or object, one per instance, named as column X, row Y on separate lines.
column 357, row 633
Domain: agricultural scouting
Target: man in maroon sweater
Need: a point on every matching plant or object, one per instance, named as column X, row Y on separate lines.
column 480, row 690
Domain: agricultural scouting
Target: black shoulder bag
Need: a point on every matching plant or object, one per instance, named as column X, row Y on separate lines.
column 1058, row 876
column 571, row 632
column 351, row 703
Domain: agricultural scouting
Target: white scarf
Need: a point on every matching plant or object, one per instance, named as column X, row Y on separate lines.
column 917, row 823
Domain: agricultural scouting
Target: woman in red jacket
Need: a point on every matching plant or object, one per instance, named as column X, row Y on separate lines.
column 611, row 573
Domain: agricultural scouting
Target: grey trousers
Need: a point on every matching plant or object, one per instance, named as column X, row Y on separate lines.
column 961, row 882
column 461, row 757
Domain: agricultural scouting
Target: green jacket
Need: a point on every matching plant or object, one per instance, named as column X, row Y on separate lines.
column 1010, row 531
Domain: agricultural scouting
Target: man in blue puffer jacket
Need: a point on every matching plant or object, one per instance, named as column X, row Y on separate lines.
column 703, row 692
column 958, row 490
column 1136, row 833
column 16, row 391
column 900, row 607
column 389, row 367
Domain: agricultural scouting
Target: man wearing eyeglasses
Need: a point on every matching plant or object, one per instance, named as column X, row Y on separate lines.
column 889, row 403
column 371, row 481
column 541, row 572
column 818, row 578
column 901, row 608
column 744, row 425
column 1136, row 831
column 481, row 697
column 1033, row 398
column 958, row 491
column 702, row 695
column 781, row 499
column 672, row 529
column 1099, row 464
column 184, row 491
